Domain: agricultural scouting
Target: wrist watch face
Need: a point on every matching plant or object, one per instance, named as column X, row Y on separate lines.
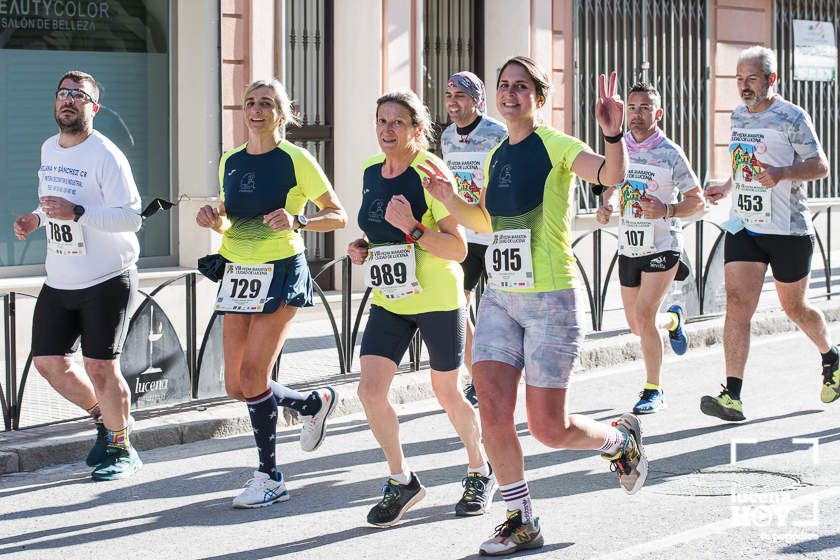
column 302, row 220
column 416, row 233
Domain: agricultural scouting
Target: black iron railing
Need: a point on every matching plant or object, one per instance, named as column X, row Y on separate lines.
column 162, row 369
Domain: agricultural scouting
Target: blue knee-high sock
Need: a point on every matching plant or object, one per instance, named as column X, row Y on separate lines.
column 263, row 412
column 306, row 406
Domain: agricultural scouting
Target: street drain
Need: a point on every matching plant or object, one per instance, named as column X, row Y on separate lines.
column 721, row 482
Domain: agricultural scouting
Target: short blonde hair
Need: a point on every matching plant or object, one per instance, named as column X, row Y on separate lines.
column 281, row 99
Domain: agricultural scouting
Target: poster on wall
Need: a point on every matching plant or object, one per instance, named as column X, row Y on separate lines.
column 81, row 25
column 814, row 50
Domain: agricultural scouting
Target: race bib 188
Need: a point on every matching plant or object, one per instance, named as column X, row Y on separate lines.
column 65, row 237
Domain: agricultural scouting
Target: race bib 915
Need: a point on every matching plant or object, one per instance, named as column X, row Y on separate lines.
column 508, row 259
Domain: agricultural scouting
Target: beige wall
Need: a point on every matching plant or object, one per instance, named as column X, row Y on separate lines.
column 501, row 18
column 562, row 67
column 729, row 19
column 197, row 131
column 357, row 69
column 399, row 37
column 236, row 67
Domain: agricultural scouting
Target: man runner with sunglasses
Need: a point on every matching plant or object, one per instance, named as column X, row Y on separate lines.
column 90, row 207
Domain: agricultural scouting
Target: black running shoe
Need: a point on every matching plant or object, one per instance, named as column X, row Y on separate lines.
column 396, row 500
column 469, row 394
column 478, row 494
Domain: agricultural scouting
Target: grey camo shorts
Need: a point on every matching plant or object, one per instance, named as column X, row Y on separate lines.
column 539, row 332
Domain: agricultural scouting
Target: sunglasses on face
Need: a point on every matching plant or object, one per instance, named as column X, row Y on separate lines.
column 74, row 94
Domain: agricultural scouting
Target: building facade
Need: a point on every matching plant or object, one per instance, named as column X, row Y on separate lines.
column 173, row 74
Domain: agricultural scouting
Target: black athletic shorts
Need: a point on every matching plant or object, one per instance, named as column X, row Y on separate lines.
column 388, row 335
column 630, row 268
column 96, row 316
column 473, row 265
column 789, row 256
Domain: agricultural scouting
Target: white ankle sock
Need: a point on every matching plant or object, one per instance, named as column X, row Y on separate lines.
column 403, row 477
column 517, row 497
column 483, row 470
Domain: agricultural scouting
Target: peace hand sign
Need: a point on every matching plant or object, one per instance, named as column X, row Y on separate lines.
column 609, row 109
column 438, row 184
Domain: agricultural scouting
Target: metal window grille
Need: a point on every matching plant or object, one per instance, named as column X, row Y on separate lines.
column 819, row 99
column 308, row 80
column 452, row 41
column 659, row 41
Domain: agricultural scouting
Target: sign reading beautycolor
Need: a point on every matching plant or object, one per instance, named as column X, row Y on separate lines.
column 80, row 25
column 125, row 45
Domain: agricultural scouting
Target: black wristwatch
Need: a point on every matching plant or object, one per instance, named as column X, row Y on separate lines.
column 78, row 212
column 417, row 232
column 302, row 221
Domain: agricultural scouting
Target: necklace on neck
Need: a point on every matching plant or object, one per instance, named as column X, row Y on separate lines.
column 464, row 133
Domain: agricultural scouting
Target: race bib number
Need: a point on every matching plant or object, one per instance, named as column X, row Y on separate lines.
column 65, row 237
column 392, row 270
column 747, row 149
column 752, row 203
column 635, row 237
column 508, row 260
column 245, row 287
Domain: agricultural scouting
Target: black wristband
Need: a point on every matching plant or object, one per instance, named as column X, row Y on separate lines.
column 600, row 187
column 614, row 139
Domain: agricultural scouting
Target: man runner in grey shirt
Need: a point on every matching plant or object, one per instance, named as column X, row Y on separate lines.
column 774, row 152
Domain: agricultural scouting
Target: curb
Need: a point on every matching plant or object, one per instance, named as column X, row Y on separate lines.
column 42, row 447
column 68, row 443
column 611, row 350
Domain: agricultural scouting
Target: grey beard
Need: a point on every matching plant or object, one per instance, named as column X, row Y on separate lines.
column 750, row 103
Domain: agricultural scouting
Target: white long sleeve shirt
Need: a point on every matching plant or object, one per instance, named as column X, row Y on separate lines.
column 94, row 174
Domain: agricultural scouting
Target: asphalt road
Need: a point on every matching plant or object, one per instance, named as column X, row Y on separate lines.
column 780, row 500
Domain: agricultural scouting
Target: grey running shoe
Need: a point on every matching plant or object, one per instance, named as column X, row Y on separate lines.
column 630, row 463
column 397, row 499
column 513, row 535
column 478, row 494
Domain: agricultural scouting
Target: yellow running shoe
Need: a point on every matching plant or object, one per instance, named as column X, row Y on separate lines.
column 723, row 406
column 831, row 382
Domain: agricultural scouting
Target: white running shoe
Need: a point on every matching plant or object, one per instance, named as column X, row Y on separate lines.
column 314, row 427
column 261, row 491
